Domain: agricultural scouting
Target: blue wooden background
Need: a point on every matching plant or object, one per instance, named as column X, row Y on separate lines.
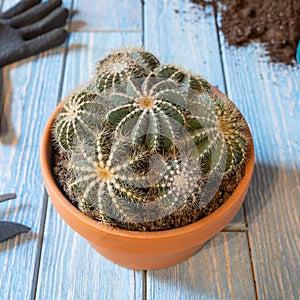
column 257, row 256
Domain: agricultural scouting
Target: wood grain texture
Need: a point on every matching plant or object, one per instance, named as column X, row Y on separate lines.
column 269, row 97
column 87, row 48
column 70, row 268
column 178, row 32
column 103, row 15
column 6, row 4
column 28, row 95
column 220, row 270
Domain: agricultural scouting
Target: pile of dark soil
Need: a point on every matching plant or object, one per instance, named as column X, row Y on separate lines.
column 274, row 23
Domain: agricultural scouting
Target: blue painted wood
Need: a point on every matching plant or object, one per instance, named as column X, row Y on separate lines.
column 28, row 95
column 178, row 32
column 269, row 97
column 70, row 268
column 86, row 49
column 220, row 270
column 103, row 15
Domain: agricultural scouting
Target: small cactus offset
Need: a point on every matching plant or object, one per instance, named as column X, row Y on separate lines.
column 119, row 65
column 187, row 80
column 151, row 147
column 81, row 114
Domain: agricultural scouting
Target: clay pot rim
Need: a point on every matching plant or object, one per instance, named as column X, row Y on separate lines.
column 96, row 226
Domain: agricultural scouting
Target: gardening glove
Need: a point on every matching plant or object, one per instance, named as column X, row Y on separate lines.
column 31, row 27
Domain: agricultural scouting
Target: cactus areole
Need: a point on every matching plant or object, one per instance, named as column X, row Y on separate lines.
column 148, row 147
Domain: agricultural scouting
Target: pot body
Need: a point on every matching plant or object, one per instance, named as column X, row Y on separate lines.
column 141, row 250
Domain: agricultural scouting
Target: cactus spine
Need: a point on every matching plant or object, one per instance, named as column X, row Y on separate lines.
column 147, row 143
column 119, row 65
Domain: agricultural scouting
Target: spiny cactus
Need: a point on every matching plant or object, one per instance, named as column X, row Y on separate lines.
column 219, row 130
column 119, row 65
column 82, row 114
column 137, row 152
column 152, row 109
column 188, row 81
column 111, row 182
column 158, row 105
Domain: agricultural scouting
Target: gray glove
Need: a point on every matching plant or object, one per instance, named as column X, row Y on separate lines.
column 31, row 27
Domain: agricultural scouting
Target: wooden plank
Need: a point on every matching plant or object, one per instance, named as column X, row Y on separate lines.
column 181, row 33
column 71, row 269
column 269, row 96
column 220, row 270
column 28, row 95
column 86, row 49
column 78, row 272
column 103, row 15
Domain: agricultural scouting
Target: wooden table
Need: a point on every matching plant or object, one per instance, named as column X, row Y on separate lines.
column 256, row 256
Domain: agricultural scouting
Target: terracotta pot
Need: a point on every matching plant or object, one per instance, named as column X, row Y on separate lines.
column 141, row 250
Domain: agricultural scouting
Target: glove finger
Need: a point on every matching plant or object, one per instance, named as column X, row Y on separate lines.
column 55, row 19
column 34, row 46
column 18, row 8
column 46, row 41
column 34, row 14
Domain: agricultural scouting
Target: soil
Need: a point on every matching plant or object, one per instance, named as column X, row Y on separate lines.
column 274, row 23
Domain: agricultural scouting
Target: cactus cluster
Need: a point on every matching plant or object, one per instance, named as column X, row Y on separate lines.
column 147, row 146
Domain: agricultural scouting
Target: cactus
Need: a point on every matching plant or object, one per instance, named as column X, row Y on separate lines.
column 119, row 65
column 153, row 110
column 221, row 129
column 151, row 152
column 81, row 114
column 113, row 183
column 188, row 81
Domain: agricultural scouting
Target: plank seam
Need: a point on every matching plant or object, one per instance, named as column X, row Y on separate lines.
column 251, row 258
column 215, row 8
column 40, row 246
column 143, row 22
column 107, row 30
column 145, row 275
column 235, row 229
column 45, row 207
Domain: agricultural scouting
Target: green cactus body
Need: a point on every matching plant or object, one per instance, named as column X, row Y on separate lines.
column 219, row 133
column 81, row 114
column 114, row 182
column 152, row 109
column 187, row 81
column 102, row 175
column 118, row 66
column 151, row 143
